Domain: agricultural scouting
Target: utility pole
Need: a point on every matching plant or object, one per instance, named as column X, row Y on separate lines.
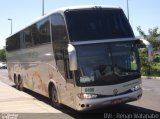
column 42, row 7
column 127, row 10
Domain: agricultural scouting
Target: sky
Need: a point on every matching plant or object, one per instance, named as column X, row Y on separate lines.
column 144, row 13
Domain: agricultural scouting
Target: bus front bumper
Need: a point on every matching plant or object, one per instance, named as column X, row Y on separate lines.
column 88, row 104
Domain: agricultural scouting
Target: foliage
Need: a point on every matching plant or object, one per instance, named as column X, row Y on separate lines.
column 150, row 68
column 151, row 37
column 156, row 58
column 2, row 55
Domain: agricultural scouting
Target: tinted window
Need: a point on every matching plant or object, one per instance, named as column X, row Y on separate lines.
column 62, row 61
column 13, row 43
column 94, row 24
column 28, row 39
column 60, row 44
column 40, row 32
column 59, row 32
column 107, row 63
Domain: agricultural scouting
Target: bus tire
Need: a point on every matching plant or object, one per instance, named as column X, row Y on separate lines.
column 54, row 97
column 20, row 83
column 15, row 81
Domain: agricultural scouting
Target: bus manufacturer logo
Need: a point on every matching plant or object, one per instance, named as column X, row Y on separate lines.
column 115, row 91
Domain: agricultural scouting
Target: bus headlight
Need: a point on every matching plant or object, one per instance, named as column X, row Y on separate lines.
column 87, row 96
column 136, row 87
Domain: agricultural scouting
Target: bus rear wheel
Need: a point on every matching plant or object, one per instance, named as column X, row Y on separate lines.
column 16, row 81
column 20, row 83
column 54, row 98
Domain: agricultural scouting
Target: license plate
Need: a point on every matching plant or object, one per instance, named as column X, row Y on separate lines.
column 116, row 101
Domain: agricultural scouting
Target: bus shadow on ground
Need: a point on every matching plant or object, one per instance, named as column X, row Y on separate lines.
column 115, row 111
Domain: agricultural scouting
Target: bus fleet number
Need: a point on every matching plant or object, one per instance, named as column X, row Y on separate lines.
column 89, row 89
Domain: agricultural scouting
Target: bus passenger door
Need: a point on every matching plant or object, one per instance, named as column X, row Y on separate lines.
column 60, row 43
column 70, row 82
column 67, row 84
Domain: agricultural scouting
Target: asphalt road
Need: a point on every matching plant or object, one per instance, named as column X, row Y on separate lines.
column 4, row 77
column 148, row 104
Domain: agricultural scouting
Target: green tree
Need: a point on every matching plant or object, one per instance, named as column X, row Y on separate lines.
column 151, row 37
column 2, row 55
column 148, row 68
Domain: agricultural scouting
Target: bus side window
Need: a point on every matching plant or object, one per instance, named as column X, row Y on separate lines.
column 42, row 30
column 60, row 44
column 68, row 73
column 13, row 43
column 62, row 61
column 28, row 37
column 59, row 32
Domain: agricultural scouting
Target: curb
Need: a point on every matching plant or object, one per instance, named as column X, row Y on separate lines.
column 150, row 77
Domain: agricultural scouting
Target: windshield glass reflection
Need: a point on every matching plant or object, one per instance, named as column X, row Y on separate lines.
column 106, row 62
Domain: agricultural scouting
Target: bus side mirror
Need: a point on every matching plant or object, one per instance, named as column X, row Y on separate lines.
column 72, row 57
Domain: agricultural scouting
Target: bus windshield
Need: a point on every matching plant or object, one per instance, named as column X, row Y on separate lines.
column 97, row 24
column 107, row 64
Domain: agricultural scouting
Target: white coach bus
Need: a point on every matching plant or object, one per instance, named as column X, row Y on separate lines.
column 84, row 57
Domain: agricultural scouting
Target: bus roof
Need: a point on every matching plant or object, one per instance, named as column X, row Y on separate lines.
column 61, row 10
column 87, row 7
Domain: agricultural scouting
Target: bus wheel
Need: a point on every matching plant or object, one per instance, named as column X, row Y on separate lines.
column 20, row 83
column 15, row 81
column 54, row 97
